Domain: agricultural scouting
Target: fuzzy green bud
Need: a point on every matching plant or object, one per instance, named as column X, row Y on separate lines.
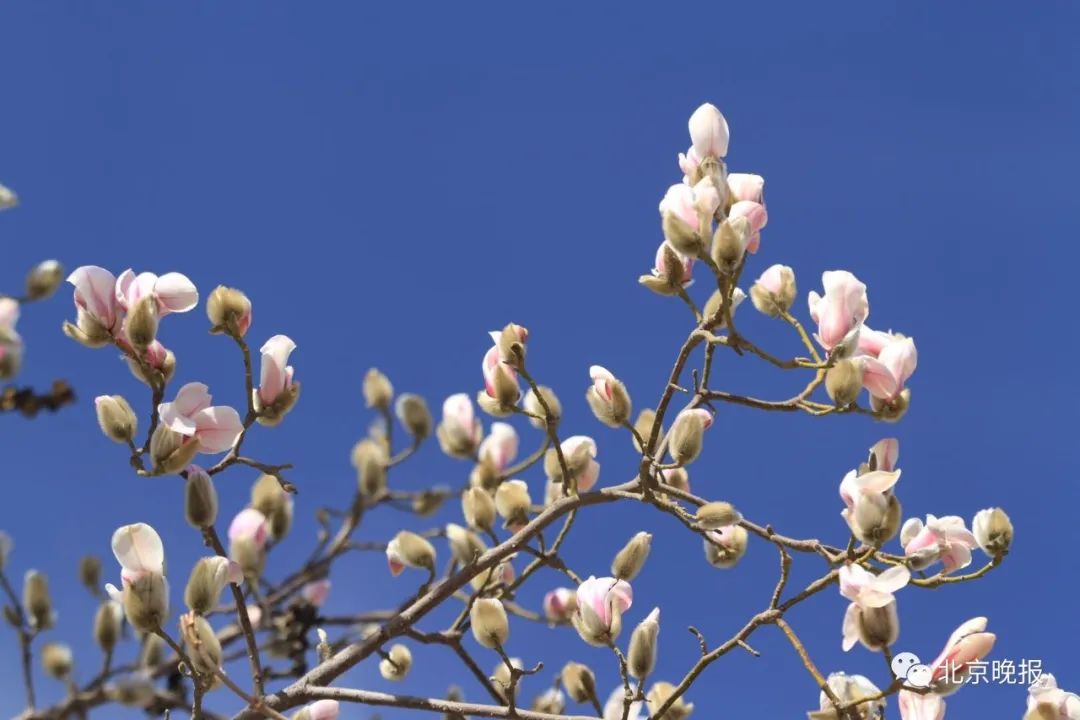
column 378, row 391
column 641, row 657
column 397, row 663
column 37, row 601
column 490, row 625
column 478, row 508
column 200, row 499
column 44, row 279
column 631, row 559
column 412, row 411
column 116, row 418
column 579, row 682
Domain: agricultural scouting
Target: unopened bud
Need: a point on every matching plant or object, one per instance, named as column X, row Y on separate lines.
column 202, row 644
column 136, row 690
column 273, row 501
column 511, row 344
column 160, row 371
column 579, row 682
column 414, row 415
column 397, row 663
column 641, row 658
column 44, row 279
column 688, row 434
column 730, row 241
column 6, row 546
column 229, row 310
column 90, row 573
column 774, row 291
column 484, row 475
column 200, row 498
column 503, row 676
column 677, row 478
column 152, row 652
column 535, row 409
column 681, row 236
column 551, row 701
column 644, row 425
column 714, row 306
column 726, row 546
column 107, row 623
column 87, row 330
column 378, row 392
column 171, row 452
column 843, row 382
column 512, row 502
column 608, row 398
column 146, row 602
column 408, row 549
column 629, row 561
column 116, row 418
column 478, row 508
column 57, row 660
column 894, row 410
column 878, row 627
column 142, row 322
column 875, row 520
column 8, row 198
column 370, row 458
column 427, row 502
column 465, row 545
column 490, row 625
column 715, row 515
column 208, row 577
column 36, row 600
column 659, row 694
column 993, row 531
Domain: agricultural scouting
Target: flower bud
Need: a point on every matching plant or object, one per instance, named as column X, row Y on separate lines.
column 136, row 690
column 488, row 580
column 6, row 546
column 510, row 342
column 730, row 241
column 44, row 279
column 503, row 677
column 843, row 382
column 629, row 561
column 485, row 476
column 460, row 431
column 876, row 520
column 57, row 660
column 36, row 600
column 152, row 652
column 90, row 572
column 87, row 330
column 465, row 545
column 601, row 603
column 200, row 499
column 608, row 398
column 229, row 310
column 878, row 627
column 512, row 502
column 893, row 410
column 579, row 682
column 378, row 392
column 116, row 418
column 107, row 624
column 319, row 710
column 146, row 602
column 273, row 501
column 478, row 508
column 551, row 701
column 774, row 291
column 659, row 694
column 202, row 645
column 726, row 546
column 370, row 458
column 533, row 406
column 644, row 425
column 687, row 435
column 641, row 658
column 414, row 415
column 715, row 304
column 560, row 605
column 142, row 322
column 397, row 663
column 490, row 626
column 408, row 549
column 171, row 452
column 162, row 365
column 427, row 502
column 8, row 198
column 716, row 515
column 993, row 531
column 208, row 578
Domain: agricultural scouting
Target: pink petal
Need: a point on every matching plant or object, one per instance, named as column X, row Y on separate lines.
column 217, row 429
column 249, row 524
column 138, row 548
column 94, row 292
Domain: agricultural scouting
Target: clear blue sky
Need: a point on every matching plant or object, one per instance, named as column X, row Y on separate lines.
column 390, row 182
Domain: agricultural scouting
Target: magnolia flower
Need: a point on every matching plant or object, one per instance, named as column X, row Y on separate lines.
column 216, row 428
column 608, row 398
column 145, row 593
column 848, row 689
column 614, row 705
column 684, row 270
column 460, row 431
column 945, row 539
column 884, row 455
column 886, row 375
column 560, row 604
column 871, row 617
column 95, row 295
column 172, row 291
column 250, row 524
column 275, row 375
column 580, row 454
column 968, row 644
column 840, row 313
column 709, row 132
column 868, row 498
column 1047, row 702
column 315, row 593
column 500, row 379
column 500, row 447
column 756, row 215
column 601, row 603
column 746, row 187
column 916, row 706
column 691, row 204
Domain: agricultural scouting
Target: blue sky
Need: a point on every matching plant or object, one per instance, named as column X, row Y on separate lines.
column 389, row 182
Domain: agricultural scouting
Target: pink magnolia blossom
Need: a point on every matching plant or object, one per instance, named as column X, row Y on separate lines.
column 493, row 364
column 95, row 294
column 772, row 279
column 746, row 186
column 140, row 552
column 588, row 476
column 872, row 488
column 459, row 419
column 709, row 132
column 216, row 428
column 559, row 605
column 756, row 215
column 869, row 591
column 886, row 454
column 602, row 381
column 500, row 447
column 315, row 593
column 250, row 525
column 945, row 539
column 840, row 313
column 323, row 710
column 660, row 268
column 174, row 292
column 276, row 375
column 601, row 599
column 872, row 342
column 1044, row 694
column 688, row 163
column 916, row 706
column 688, row 204
column 895, row 363
column 968, row 644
